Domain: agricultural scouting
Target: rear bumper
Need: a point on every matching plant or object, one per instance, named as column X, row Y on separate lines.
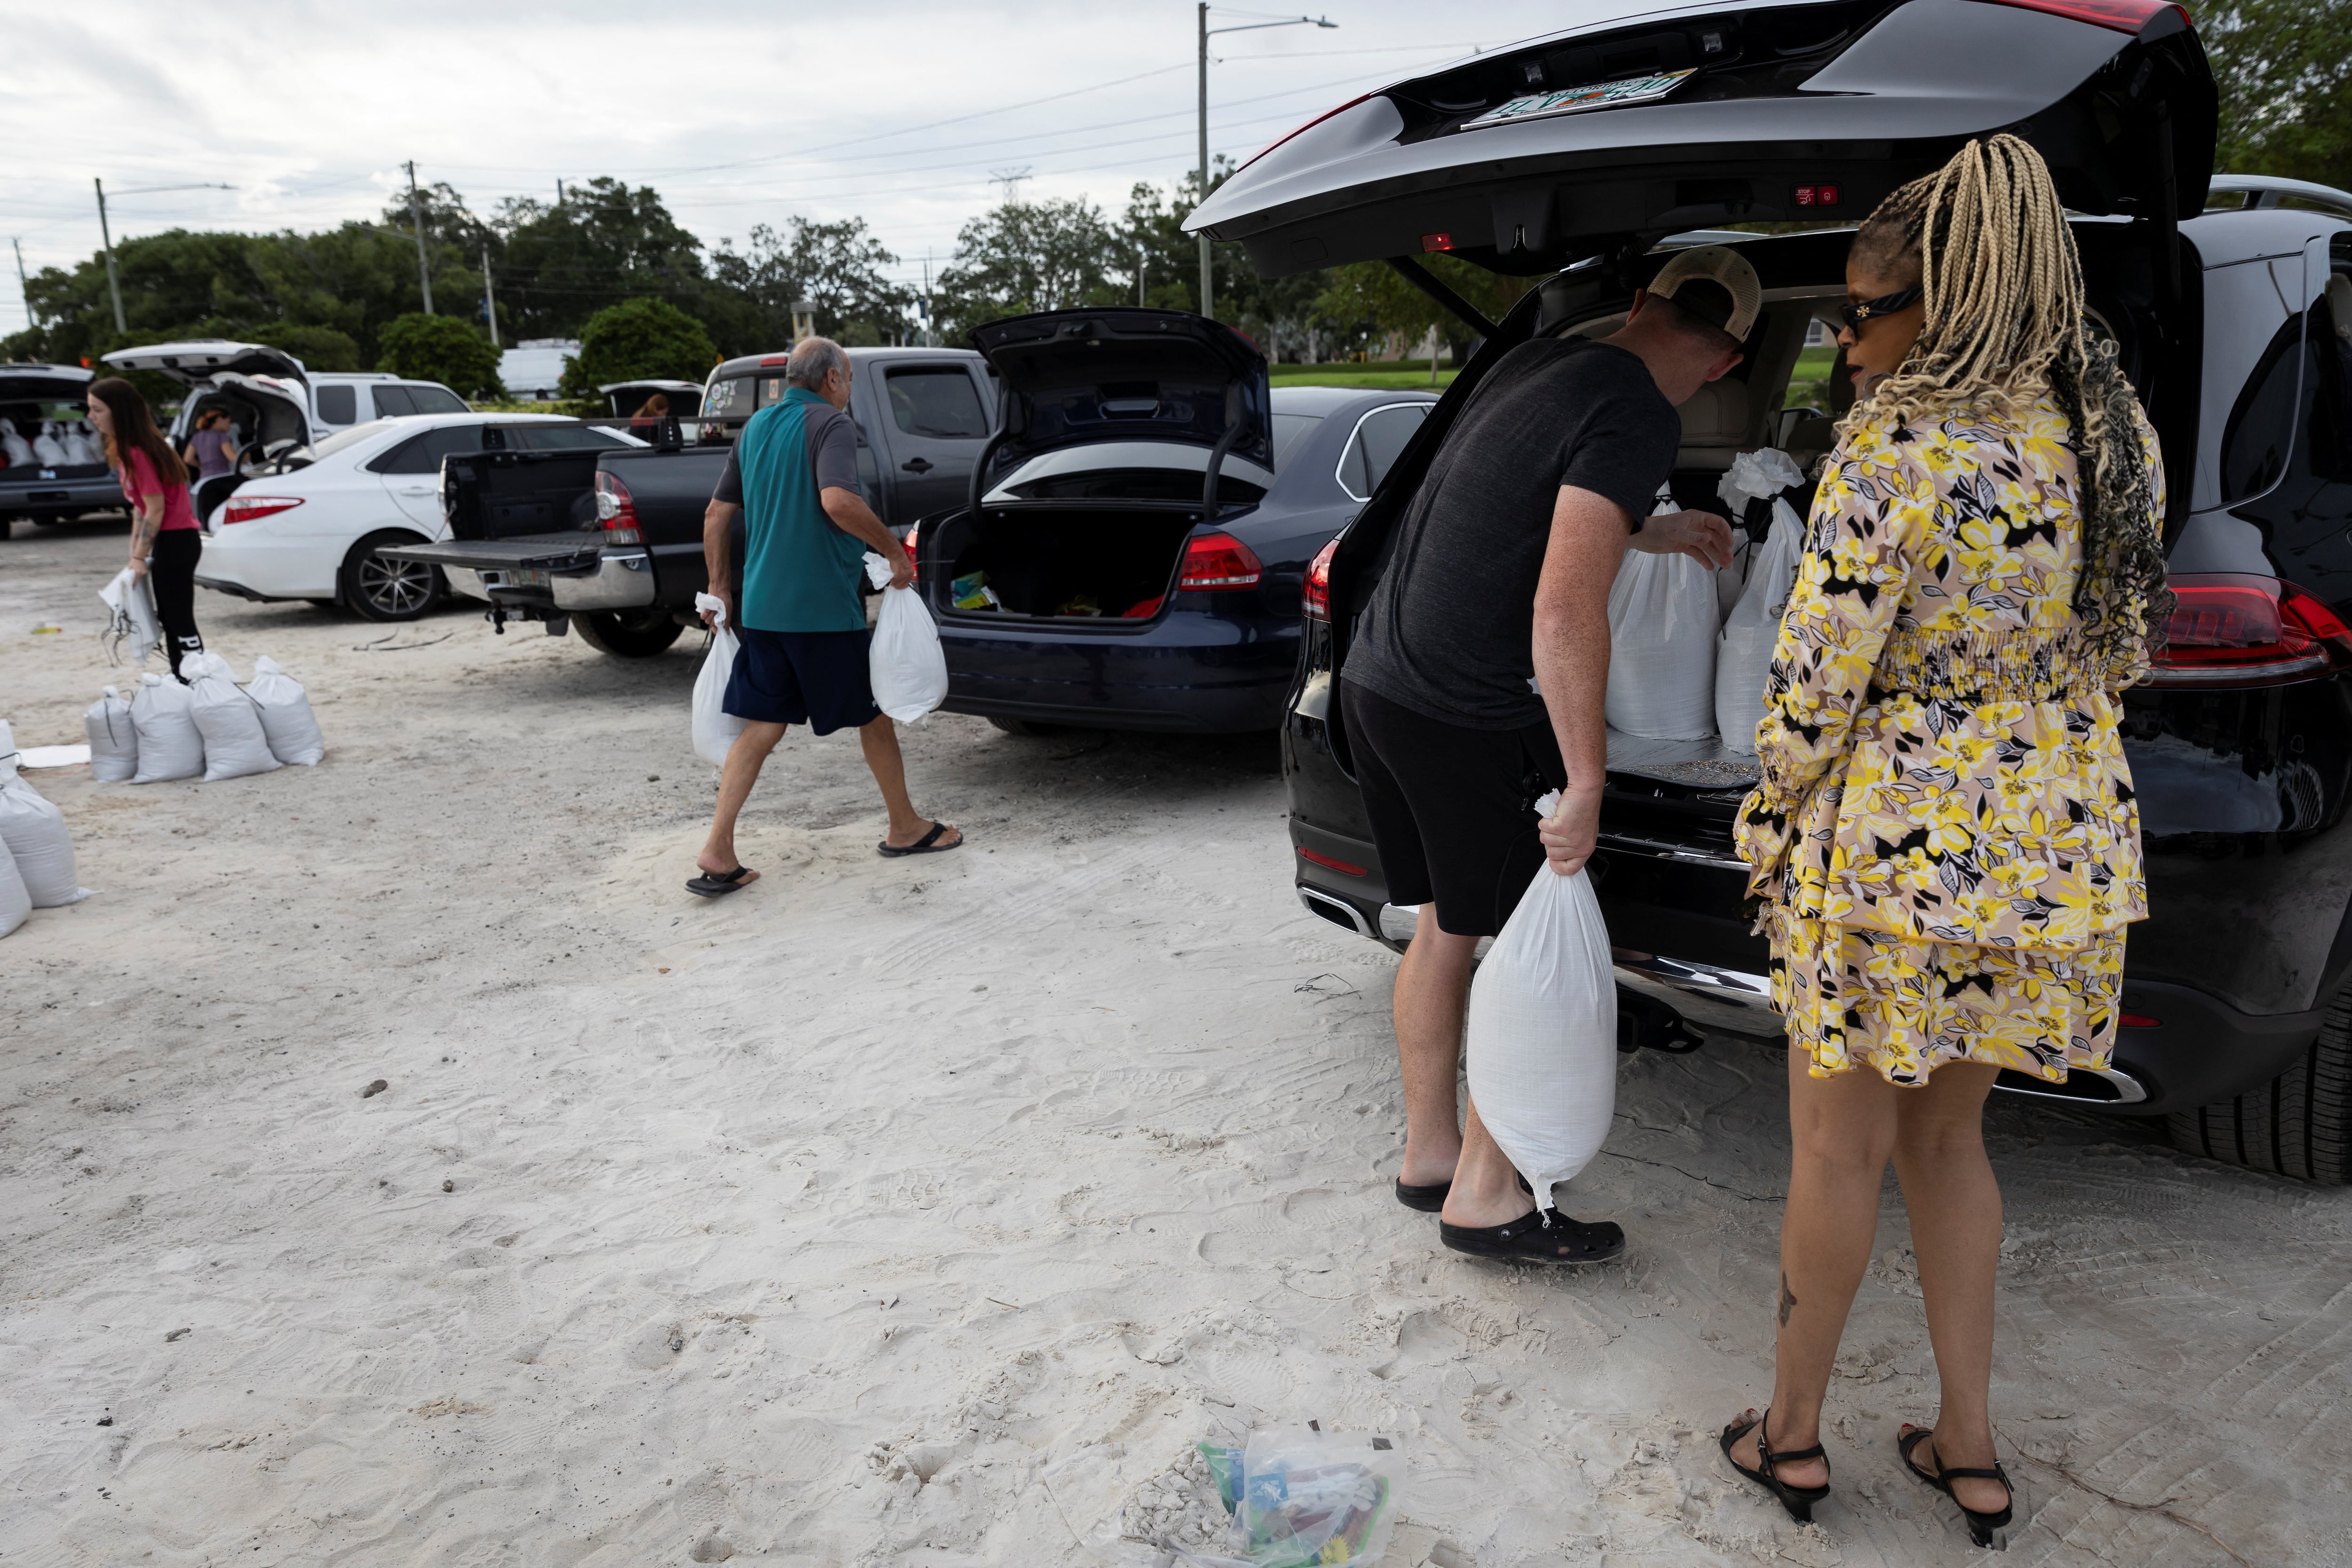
column 1188, row 671
column 558, row 573
column 2200, row 1050
column 40, row 498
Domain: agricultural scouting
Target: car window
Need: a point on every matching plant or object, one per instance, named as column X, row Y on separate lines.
column 436, row 400
column 771, row 391
column 1380, row 436
column 390, row 400
column 338, row 405
column 565, row 438
column 1289, row 430
column 342, row 438
column 422, row 454
column 729, row 399
column 936, row 401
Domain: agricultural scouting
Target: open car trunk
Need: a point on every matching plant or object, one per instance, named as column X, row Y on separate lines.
column 43, row 433
column 1060, row 560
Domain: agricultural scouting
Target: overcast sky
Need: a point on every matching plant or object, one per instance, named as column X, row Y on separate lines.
column 898, row 112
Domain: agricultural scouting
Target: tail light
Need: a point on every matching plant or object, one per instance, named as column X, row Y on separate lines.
column 617, row 511
column 2232, row 629
column 2138, row 1020
column 1315, row 598
column 1216, row 563
column 247, row 508
column 2123, row 15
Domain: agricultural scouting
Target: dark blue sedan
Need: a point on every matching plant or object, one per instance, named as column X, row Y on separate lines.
column 1145, row 521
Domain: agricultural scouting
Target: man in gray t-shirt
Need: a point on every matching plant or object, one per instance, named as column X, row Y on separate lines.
column 1477, row 677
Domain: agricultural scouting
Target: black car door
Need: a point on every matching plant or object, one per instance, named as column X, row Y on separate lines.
column 935, row 421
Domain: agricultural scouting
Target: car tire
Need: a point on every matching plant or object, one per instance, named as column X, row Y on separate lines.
column 379, row 589
column 635, row 634
column 2298, row 1124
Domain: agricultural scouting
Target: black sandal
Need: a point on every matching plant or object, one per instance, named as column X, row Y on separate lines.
column 718, row 884
column 1984, row 1529
column 1431, row 1198
column 1798, row 1500
column 928, row 845
column 1528, row 1240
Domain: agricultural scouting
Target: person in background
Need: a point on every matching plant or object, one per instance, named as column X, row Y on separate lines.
column 802, row 625
column 650, row 413
column 211, row 446
column 164, row 541
column 1944, row 844
column 1477, row 680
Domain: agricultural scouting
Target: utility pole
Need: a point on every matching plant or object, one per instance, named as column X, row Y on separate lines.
column 106, row 234
column 490, row 297
column 931, row 312
column 23, row 288
column 416, row 215
column 1207, row 303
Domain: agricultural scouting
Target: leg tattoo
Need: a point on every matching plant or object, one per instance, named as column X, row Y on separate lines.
column 1788, row 1300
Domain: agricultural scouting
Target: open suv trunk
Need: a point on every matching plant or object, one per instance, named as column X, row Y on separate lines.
column 1773, row 113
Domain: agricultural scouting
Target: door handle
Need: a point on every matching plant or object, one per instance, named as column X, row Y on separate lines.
column 916, row 465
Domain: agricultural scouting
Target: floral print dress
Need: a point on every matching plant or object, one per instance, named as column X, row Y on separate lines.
column 1943, row 840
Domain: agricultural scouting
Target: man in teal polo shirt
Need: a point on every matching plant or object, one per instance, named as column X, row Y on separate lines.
column 801, row 626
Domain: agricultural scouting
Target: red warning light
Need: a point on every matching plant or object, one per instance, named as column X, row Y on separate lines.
column 1436, row 241
column 1817, row 195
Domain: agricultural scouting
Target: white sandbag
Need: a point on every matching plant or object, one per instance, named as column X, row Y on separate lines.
column 19, row 450
column 131, row 609
column 34, row 831
column 715, row 728
column 46, row 447
column 235, row 742
column 15, row 903
column 905, row 664
column 1661, row 630
column 1542, row 1043
column 170, row 744
column 1743, row 657
column 285, row 716
column 113, row 744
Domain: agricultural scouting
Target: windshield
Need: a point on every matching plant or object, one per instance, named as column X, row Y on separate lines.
column 1289, row 430
column 351, row 437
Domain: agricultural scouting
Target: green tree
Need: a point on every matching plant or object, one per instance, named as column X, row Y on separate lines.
column 634, row 340
column 1027, row 257
column 1375, row 292
column 2284, row 71
column 439, row 349
column 602, row 243
column 838, row 266
column 318, row 348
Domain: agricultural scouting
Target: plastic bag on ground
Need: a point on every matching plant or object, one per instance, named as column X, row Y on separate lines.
column 15, row 903
column 907, row 667
column 285, row 712
column 1542, row 1040
column 1662, row 627
column 715, row 728
column 1311, row 1498
column 130, row 610
column 1743, row 661
column 230, row 722
column 170, row 744
column 33, row 831
column 113, row 744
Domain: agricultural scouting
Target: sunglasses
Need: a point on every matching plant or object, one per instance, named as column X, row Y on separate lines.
column 1885, row 305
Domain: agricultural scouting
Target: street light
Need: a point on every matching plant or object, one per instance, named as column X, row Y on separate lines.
column 1208, row 32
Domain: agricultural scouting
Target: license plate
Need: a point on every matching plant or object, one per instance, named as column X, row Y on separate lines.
column 1577, row 99
column 527, row 579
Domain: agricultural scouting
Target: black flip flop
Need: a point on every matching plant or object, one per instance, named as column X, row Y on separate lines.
column 928, row 844
column 1528, row 1240
column 717, row 884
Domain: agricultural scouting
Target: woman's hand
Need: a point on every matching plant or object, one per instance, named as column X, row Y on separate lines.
column 138, row 567
column 1570, row 833
column 1702, row 536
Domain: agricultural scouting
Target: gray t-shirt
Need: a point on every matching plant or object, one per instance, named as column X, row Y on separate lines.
column 833, row 453
column 1450, row 630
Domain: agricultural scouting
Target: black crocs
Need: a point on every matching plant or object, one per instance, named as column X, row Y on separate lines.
column 1528, row 1240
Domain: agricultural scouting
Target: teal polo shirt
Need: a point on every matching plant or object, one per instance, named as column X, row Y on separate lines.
column 801, row 571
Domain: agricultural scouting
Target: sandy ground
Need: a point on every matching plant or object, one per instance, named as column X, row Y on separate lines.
column 924, row 1213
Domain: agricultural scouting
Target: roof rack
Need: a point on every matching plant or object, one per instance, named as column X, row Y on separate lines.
column 2269, row 191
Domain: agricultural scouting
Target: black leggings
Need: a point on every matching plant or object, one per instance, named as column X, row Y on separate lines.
column 173, row 570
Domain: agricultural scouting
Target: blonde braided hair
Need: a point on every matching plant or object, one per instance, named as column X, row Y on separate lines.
column 2004, row 323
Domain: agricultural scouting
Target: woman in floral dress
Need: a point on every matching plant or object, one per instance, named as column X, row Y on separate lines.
column 1944, row 844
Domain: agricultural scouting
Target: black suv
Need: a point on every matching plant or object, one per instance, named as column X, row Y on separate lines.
column 2229, row 300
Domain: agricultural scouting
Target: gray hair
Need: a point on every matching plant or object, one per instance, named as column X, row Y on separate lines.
column 813, row 360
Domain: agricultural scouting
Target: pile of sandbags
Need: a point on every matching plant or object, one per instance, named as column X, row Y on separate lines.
column 210, row 729
column 37, row 871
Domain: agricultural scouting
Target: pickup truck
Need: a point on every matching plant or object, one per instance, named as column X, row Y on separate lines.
column 611, row 541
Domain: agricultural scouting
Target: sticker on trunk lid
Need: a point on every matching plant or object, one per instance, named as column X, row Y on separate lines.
column 1577, row 99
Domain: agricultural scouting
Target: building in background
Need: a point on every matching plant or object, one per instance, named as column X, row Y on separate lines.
column 534, row 368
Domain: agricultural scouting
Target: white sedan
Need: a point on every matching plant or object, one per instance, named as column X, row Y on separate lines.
column 308, row 526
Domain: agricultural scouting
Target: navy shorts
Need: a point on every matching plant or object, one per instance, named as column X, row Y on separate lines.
column 815, row 678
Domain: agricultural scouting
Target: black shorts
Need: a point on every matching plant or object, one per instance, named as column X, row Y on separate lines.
column 816, row 679
column 1453, row 809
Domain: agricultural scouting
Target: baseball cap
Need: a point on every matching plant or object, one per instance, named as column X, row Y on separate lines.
column 1715, row 284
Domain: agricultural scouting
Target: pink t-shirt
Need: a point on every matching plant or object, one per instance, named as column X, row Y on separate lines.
column 139, row 482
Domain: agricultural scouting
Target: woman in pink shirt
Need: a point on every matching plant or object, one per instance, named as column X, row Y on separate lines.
column 164, row 541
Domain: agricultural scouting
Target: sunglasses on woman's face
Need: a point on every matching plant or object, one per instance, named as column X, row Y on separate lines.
column 1885, row 305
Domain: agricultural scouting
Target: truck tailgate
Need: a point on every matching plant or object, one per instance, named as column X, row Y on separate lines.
column 565, row 552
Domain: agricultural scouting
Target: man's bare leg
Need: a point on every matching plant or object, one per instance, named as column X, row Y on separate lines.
column 1432, row 990
column 878, row 738
column 744, row 760
column 1486, row 1184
